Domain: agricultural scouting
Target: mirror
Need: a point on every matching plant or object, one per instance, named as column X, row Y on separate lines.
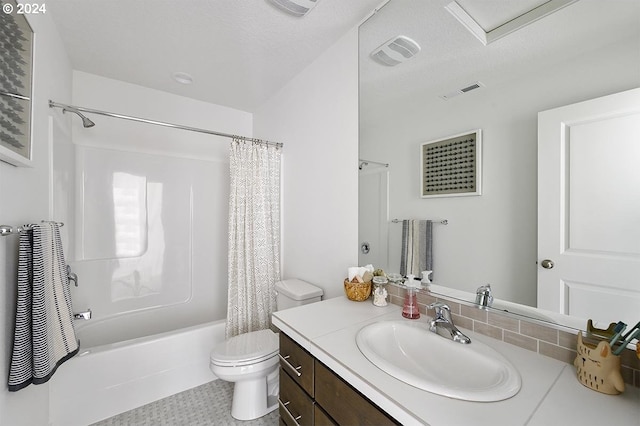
column 457, row 83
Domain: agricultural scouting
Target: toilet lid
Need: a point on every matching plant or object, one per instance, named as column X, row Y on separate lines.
column 246, row 348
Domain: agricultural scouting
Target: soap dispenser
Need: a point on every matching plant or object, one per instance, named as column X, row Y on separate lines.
column 410, row 308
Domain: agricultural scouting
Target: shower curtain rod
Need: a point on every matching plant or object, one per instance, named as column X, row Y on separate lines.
column 53, row 104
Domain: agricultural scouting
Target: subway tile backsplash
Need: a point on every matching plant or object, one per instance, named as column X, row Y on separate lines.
column 555, row 342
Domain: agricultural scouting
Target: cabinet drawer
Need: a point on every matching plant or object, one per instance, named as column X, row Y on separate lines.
column 296, row 362
column 296, row 408
column 344, row 404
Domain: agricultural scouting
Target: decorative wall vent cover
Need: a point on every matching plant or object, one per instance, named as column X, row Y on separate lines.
column 452, row 167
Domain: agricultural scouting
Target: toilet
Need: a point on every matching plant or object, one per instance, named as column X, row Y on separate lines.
column 250, row 360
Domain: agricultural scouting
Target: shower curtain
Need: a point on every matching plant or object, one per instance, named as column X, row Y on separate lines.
column 254, row 235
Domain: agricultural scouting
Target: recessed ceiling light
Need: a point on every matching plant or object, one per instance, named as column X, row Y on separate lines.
column 182, row 77
column 297, row 8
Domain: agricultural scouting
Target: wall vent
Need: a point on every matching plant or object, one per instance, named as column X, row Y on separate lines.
column 395, row 51
column 297, row 8
column 466, row 89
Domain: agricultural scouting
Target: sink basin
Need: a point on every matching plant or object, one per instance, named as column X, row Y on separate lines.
column 411, row 353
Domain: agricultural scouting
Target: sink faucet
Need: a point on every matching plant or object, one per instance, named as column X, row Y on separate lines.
column 484, row 297
column 442, row 324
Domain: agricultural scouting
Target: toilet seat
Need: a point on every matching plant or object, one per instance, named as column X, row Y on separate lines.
column 246, row 349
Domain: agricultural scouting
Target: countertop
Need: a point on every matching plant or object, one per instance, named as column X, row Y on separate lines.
column 550, row 393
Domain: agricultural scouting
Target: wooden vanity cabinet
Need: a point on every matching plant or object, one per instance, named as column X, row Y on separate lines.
column 312, row 394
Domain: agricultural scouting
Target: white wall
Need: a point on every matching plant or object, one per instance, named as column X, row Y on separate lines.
column 490, row 238
column 316, row 116
column 25, row 199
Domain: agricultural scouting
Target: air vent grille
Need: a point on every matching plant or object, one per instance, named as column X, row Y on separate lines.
column 465, row 89
column 470, row 88
column 395, row 51
column 295, row 7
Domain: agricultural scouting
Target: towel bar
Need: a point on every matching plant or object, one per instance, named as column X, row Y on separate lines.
column 442, row 222
column 10, row 230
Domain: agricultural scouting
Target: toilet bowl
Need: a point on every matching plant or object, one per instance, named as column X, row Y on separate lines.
column 250, row 360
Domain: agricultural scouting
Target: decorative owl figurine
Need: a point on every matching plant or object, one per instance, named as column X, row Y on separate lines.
column 598, row 368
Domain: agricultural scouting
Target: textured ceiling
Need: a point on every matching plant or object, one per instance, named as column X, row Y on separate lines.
column 239, row 52
column 452, row 58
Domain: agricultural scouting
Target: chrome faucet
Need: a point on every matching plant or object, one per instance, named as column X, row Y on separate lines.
column 443, row 325
column 72, row 276
column 86, row 315
column 484, row 297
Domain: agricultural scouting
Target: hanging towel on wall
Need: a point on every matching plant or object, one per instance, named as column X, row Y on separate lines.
column 44, row 334
column 417, row 242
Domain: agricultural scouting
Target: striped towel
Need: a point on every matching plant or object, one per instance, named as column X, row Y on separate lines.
column 417, row 242
column 44, row 335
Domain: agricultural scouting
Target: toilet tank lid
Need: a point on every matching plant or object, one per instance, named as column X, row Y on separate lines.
column 298, row 289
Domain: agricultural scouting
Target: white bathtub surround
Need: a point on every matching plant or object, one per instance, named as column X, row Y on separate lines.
column 110, row 379
column 254, row 235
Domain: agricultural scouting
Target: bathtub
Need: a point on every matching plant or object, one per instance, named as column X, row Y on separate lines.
column 107, row 379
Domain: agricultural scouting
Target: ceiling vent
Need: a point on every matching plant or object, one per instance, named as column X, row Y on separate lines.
column 395, row 51
column 466, row 89
column 297, row 8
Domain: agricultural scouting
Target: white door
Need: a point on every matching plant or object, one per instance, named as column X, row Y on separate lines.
column 589, row 209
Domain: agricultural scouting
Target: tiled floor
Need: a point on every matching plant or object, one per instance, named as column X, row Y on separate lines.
column 209, row 404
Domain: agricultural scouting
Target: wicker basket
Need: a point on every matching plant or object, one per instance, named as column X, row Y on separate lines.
column 357, row 291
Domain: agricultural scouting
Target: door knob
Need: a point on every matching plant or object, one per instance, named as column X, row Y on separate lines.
column 547, row 264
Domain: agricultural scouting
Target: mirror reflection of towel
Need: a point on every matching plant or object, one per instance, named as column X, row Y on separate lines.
column 44, row 335
column 417, row 242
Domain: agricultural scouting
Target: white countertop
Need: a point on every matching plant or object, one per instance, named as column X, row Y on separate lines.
column 550, row 394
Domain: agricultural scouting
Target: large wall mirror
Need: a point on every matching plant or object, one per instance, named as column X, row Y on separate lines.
column 457, row 82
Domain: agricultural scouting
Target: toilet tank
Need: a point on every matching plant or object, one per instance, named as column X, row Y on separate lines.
column 295, row 292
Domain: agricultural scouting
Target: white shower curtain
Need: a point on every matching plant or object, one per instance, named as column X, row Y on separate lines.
column 254, row 235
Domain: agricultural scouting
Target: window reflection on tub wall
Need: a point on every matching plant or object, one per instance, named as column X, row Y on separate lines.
column 128, row 201
column 15, row 86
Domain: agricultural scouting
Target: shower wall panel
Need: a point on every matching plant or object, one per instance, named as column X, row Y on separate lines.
column 150, row 233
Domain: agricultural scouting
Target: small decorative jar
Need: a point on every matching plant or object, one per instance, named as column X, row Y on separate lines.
column 379, row 291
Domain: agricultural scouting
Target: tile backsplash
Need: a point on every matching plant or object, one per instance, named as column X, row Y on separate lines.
column 546, row 339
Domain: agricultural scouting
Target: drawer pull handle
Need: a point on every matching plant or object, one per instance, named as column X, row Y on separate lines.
column 293, row 369
column 283, row 405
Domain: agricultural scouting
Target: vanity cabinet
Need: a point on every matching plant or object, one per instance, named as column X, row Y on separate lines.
column 312, row 394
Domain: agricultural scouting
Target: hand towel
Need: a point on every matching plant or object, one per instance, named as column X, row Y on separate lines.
column 44, row 334
column 417, row 247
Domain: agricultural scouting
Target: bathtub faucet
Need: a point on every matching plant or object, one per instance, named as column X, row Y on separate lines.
column 83, row 315
column 72, row 276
